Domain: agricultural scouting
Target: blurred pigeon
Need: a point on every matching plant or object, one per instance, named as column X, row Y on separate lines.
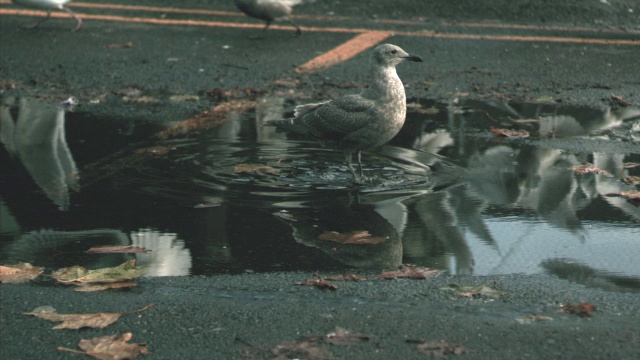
column 353, row 123
column 49, row 5
column 269, row 10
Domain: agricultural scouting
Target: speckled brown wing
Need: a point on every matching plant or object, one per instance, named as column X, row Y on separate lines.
column 335, row 119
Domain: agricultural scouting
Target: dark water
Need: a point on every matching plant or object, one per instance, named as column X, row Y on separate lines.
column 445, row 193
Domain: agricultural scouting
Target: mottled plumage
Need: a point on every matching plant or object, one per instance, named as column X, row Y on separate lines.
column 357, row 122
column 269, row 10
column 50, row 5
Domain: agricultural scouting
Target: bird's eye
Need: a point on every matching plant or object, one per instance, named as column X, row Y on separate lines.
column 394, row 51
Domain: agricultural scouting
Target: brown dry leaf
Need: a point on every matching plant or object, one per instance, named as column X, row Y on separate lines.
column 183, row 98
column 348, row 277
column 630, row 165
column 90, row 287
column 116, row 249
column 78, row 274
column 128, row 44
column 360, row 237
column 631, row 180
column 255, row 168
column 22, row 272
column 632, row 196
column 321, row 283
column 410, row 272
column 533, row 318
column 474, row 291
column 619, row 100
column 583, row 309
column 521, row 134
column 589, row 168
column 111, row 347
column 290, row 350
column 440, row 348
column 79, row 321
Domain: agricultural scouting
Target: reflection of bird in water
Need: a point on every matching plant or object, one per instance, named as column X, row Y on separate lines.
column 50, row 5
column 357, row 122
column 269, row 10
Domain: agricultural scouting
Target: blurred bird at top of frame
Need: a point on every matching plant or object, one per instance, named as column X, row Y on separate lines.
column 49, row 5
column 270, row 10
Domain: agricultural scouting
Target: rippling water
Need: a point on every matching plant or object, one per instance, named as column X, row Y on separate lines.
column 445, row 193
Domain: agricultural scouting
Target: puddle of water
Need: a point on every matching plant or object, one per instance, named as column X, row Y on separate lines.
column 445, row 193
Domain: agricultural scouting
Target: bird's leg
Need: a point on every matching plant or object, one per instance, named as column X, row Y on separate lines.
column 298, row 30
column 39, row 21
column 353, row 172
column 360, row 163
column 73, row 15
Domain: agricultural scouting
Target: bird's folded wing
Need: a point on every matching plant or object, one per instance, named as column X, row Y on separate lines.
column 339, row 117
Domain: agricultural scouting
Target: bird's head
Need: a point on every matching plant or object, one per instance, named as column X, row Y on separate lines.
column 391, row 55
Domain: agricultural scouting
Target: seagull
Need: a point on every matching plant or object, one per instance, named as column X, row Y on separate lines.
column 269, row 10
column 49, row 5
column 357, row 122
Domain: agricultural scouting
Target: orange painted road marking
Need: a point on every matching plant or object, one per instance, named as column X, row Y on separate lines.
column 344, row 52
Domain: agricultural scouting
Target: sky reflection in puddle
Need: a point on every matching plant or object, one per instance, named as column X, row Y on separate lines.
column 483, row 205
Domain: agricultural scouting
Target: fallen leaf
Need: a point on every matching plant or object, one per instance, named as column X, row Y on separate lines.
column 255, row 168
column 349, row 277
column 321, row 283
column 583, row 309
column 116, row 249
column 78, row 274
column 126, row 45
column 619, row 100
column 589, row 168
column 533, row 318
column 22, row 272
column 141, row 99
column 410, row 272
column 360, row 237
column 90, row 287
column 182, row 98
column 474, row 290
column 630, row 165
column 440, row 348
column 631, row 180
column 79, row 321
column 111, row 347
column 521, row 134
column 632, row 196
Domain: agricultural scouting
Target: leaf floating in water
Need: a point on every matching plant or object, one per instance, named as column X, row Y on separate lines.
column 589, row 168
column 20, row 273
column 440, row 348
column 78, row 274
column 360, row 237
column 410, row 272
column 112, row 347
column 632, row 196
column 474, row 291
column 510, row 133
column 583, row 309
column 631, row 180
column 117, row 249
column 255, row 168
column 630, row 165
column 79, row 321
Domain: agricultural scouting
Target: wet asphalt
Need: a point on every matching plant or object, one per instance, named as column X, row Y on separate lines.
column 572, row 53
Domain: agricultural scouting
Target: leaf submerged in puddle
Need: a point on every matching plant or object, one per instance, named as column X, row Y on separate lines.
column 255, row 168
column 360, row 237
column 22, row 272
column 589, row 168
column 78, row 274
column 112, row 347
column 511, row 133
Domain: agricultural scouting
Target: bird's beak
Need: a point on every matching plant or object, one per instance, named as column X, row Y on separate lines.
column 415, row 58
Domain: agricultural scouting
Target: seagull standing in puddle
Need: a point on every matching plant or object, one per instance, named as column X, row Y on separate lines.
column 269, row 10
column 49, row 5
column 362, row 121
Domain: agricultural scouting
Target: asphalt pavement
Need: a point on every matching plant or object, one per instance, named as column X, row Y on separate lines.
column 574, row 52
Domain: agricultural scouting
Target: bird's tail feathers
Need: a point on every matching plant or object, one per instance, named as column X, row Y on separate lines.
column 302, row 110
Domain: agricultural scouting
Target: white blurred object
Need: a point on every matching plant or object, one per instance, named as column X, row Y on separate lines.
column 49, row 5
column 167, row 256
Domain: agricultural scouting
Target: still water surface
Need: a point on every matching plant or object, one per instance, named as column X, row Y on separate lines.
column 445, row 193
